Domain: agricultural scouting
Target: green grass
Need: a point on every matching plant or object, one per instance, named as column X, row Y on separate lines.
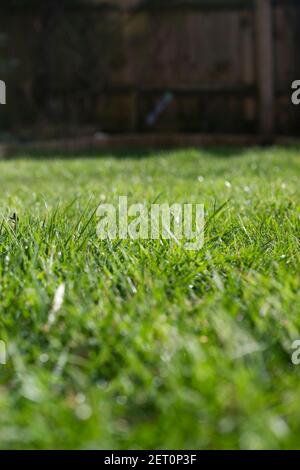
column 154, row 346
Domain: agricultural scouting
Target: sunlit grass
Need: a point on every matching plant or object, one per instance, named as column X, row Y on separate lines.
column 151, row 346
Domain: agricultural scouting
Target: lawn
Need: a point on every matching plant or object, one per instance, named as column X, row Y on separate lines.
column 153, row 346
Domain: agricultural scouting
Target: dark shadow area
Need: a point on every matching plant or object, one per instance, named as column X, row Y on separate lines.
column 91, row 67
column 214, row 152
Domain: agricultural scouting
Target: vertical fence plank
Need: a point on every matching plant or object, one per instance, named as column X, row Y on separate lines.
column 248, row 72
column 265, row 63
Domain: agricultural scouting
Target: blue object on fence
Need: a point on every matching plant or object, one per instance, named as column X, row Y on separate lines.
column 159, row 109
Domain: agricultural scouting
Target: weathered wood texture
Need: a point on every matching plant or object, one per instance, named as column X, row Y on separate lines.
column 227, row 65
column 265, row 65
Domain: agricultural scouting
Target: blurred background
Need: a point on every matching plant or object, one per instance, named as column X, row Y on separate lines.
column 89, row 67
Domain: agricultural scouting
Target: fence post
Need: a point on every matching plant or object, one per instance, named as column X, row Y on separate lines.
column 265, row 64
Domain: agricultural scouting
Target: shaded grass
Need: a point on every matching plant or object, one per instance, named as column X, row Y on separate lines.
column 154, row 346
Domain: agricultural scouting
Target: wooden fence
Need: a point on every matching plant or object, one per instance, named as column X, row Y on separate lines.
column 203, row 66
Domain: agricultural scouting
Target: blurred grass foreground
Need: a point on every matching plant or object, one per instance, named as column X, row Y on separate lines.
column 151, row 346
